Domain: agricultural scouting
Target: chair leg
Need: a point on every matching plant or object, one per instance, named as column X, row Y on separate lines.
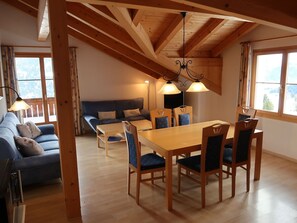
column 178, row 178
column 138, row 187
column 248, row 179
column 128, row 180
column 233, row 180
column 221, row 186
column 203, row 183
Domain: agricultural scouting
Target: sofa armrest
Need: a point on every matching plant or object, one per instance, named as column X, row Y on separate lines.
column 47, row 129
column 36, row 161
column 145, row 113
column 92, row 121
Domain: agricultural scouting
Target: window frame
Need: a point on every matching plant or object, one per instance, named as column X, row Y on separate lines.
column 43, row 79
column 279, row 115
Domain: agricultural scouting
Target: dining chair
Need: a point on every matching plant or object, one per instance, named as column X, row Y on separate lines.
column 243, row 113
column 209, row 162
column 140, row 164
column 161, row 118
column 239, row 155
column 183, row 115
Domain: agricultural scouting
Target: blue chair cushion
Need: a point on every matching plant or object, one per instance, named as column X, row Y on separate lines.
column 192, row 162
column 184, row 119
column 162, row 122
column 227, row 158
column 151, row 161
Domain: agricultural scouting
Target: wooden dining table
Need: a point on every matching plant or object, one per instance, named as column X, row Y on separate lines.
column 169, row 142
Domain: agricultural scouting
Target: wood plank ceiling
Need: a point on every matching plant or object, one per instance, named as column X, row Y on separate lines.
column 147, row 35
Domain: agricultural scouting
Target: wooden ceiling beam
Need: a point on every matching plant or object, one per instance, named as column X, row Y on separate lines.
column 104, row 9
column 170, row 32
column 42, row 21
column 101, row 23
column 210, row 27
column 233, row 37
column 112, row 53
column 23, row 7
column 31, row 3
column 278, row 14
column 160, row 5
column 118, row 47
column 137, row 33
column 137, row 15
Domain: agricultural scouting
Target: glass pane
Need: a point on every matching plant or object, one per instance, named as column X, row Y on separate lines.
column 48, row 69
column 269, row 68
column 27, row 68
column 267, row 97
column 290, row 106
column 50, row 92
column 30, row 89
column 36, row 111
column 292, row 68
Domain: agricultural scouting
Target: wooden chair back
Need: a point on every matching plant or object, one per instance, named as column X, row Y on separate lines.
column 133, row 145
column 163, row 115
column 212, row 148
column 243, row 140
column 183, row 115
column 243, row 113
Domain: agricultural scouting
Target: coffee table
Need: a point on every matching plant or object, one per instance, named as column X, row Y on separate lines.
column 113, row 133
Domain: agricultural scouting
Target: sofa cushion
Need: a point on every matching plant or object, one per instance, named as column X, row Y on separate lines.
column 131, row 112
column 93, row 107
column 34, row 129
column 106, row 115
column 50, row 145
column 122, row 105
column 28, row 147
column 29, row 130
column 46, row 138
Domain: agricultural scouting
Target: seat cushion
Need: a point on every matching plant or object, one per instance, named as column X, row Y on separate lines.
column 46, row 138
column 152, row 161
column 227, row 155
column 192, row 162
column 50, row 145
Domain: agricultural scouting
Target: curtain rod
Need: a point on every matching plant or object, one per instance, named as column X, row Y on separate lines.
column 267, row 39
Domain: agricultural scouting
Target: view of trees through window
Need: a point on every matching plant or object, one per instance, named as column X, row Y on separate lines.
column 35, row 82
column 276, row 82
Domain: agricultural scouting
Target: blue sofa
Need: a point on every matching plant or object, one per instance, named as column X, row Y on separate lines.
column 91, row 109
column 34, row 169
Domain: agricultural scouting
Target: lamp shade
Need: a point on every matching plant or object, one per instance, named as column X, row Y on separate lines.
column 18, row 105
column 169, row 88
column 197, row 86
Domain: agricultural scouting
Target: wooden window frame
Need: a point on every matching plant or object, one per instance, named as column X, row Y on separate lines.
column 41, row 57
column 279, row 115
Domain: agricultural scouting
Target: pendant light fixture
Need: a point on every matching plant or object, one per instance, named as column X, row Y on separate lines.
column 196, row 86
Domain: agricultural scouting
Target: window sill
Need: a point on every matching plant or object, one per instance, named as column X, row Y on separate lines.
column 276, row 116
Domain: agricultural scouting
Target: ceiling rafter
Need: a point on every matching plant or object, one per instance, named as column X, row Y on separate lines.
column 112, row 53
column 43, row 21
column 238, row 33
column 170, row 32
column 101, row 23
column 23, row 7
column 103, row 9
column 118, row 47
column 210, row 27
column 137, row 15
column 137, row 33
column 260, row 11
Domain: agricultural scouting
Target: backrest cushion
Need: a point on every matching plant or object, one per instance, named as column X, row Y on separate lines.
column 242, row 117
column 131, row 112
column 213, row 152
column 162, row 122
column 8, row 149
column 132, row 149
column 243, row 145
column 184, row 119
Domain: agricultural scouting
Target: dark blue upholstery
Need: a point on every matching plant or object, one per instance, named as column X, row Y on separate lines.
column 184, row 119
column 162, row 122
column 212, row 157
column 91, row 109
column 242, row 117
column 34, row 169
column 148, row 161
column 242, row 148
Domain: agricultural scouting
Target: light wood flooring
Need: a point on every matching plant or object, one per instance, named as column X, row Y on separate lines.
column 104, row 197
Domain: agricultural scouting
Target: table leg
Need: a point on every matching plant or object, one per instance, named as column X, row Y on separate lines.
column 168, row 172
column 106, row 144
column 259, row 142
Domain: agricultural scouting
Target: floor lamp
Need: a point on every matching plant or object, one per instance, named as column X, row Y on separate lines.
column 19, row 103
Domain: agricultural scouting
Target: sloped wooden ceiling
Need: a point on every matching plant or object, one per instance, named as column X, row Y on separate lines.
column 147, row 35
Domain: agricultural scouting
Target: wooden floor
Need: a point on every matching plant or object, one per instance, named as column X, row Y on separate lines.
column 104, row 195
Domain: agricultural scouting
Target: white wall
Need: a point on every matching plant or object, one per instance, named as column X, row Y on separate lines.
column 279, row 136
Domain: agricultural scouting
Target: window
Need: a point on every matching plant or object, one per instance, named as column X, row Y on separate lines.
column 274, row 84
column 35, row 81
